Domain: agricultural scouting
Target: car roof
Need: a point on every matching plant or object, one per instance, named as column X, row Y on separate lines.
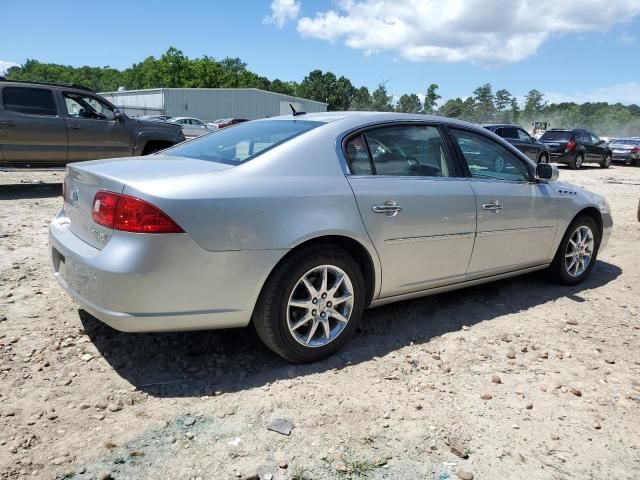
column 47, row 84
column 497, row 125
column 364, row 118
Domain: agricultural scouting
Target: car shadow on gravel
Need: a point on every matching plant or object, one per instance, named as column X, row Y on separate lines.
column 19, row 191
column 194, row 364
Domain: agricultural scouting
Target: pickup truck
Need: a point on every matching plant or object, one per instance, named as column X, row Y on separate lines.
column 48, row 125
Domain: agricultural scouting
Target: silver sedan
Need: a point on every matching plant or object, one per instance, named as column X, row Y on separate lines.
column 299, row 223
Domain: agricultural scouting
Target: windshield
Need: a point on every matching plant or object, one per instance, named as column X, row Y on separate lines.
column 242, row 142
column 556, row 135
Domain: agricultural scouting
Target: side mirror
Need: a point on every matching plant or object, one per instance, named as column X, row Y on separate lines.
column 546, row 171
column 118, row 114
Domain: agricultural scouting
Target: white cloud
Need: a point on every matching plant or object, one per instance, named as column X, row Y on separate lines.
column 476, row 31
column 283, row 11
column 4, row 66
column 625, row 93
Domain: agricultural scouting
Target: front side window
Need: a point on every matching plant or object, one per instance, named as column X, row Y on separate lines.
column 86, row 106
column 403, row 150
column 234, row 146
column 30, row 101
column 522, row 135
column 487, row 159
column 594, row 139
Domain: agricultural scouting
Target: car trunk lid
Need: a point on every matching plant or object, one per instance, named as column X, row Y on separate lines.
column 85, row 179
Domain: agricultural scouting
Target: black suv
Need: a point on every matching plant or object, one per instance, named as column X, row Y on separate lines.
column 575, row 147
column 519, row 138
column 44, row 124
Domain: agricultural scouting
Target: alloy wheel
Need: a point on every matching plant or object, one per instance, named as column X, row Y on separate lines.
column 579, row 251
column 320, row 306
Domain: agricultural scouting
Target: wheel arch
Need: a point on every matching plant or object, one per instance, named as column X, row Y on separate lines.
column 363, row 256
column 594, row 213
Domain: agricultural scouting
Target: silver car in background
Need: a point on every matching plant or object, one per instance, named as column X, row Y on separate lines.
column 299, row 223
column 626, row 150
column 192, row 127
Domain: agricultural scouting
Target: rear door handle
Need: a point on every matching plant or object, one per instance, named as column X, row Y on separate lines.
column 493, row 206
column 8, row 123
column 75, row 126
column 390, row 208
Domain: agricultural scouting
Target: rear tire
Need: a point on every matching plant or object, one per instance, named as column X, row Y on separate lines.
column 576, row 163
column 294, row 299
column 563, row 269
column 606, row 161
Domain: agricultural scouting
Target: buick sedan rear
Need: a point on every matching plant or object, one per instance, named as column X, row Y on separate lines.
column 297, row 224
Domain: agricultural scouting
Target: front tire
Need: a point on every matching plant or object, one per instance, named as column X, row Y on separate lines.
column 544, row 158
column 577, row 252
column 606, row 161
column 576, row 163
column 311, row 304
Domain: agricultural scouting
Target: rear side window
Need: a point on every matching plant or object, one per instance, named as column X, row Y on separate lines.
column 31, row 101
column 403, row 150
column 509, row 132
column 556, row 135
column 242, row 142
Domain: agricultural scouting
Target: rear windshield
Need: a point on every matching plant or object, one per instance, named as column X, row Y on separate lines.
column 626, row 142
column 556, row 135
column 242, row 142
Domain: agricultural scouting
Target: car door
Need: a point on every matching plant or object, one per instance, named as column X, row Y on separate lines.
column 93, row 130
column 32, row 131
column 199, row 127
column 415, row 203
column 530, row 147
column 516, row 216
column 599, row 147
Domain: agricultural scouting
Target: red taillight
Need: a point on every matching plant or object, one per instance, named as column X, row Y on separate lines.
column 635, row 150
column 571, row 144
column 129, row 214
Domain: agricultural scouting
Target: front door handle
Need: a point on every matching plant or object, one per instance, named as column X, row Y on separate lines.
column 493, row 206
column 75, row 126
column 390, row 208
column 8, row 123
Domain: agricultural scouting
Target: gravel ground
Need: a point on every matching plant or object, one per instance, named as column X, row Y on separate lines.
column 516, row 379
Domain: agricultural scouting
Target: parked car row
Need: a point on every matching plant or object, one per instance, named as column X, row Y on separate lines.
column 194, row 127
column 573, row 147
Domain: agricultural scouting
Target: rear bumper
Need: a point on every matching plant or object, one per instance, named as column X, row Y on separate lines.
column 624, row 157
column 145, row 283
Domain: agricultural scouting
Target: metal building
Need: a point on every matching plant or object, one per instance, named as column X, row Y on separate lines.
column 210, row 104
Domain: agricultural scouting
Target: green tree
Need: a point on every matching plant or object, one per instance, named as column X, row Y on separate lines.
column 361, row 100
column 503, row 99
column 431, row 98
column 483, row 96
column 534, row 103
column 381, row 100
column 409, row 104
column 453, row 108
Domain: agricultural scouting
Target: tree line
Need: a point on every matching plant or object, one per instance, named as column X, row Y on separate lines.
column 175, row 70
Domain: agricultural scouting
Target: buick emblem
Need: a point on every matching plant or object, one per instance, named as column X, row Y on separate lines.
column 75, row 196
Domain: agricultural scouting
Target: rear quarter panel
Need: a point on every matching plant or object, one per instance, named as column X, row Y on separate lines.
column 280, row 199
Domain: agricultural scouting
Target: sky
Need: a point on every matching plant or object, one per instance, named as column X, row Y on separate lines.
column 572, row 50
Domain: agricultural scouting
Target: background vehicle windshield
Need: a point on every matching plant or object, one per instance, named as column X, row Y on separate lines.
column 556, row 135
column 242, row 142
column 626, row 142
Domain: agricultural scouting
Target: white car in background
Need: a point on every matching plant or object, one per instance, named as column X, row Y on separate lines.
column 192, row 127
